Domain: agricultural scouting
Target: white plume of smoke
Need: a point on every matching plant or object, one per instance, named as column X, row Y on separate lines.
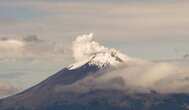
column 137, row 74
column 84, row 47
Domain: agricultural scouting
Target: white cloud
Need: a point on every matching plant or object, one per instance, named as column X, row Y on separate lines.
column 29, row 47
column 124, row 20
column 163, row 77
column 11, row 45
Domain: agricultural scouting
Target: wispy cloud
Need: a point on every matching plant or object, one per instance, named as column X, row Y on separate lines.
column 130, row 21
column 29, row 48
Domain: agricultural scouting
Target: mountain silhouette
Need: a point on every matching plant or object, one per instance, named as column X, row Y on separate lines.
column 47, row 96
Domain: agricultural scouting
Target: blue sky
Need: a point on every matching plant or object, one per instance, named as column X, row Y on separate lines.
column 44, row 30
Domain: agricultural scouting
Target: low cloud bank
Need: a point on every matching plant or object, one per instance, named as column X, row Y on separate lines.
column 146, row 76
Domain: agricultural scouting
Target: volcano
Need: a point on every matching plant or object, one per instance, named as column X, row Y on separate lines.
column 76, row 87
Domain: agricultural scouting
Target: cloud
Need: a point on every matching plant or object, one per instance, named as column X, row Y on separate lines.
column 186, row 56
column 132, row 21
column 162, row 77
column 32, row 38
column 29, row 48
column 11, row 44
column 11, row 48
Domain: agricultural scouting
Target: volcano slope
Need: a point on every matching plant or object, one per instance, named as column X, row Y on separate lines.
column 59, row 92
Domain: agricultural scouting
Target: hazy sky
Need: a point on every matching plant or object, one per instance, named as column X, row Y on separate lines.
column 36, row 35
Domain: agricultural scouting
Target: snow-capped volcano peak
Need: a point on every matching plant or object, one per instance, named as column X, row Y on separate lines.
column 111, row 57
column 86, row 50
